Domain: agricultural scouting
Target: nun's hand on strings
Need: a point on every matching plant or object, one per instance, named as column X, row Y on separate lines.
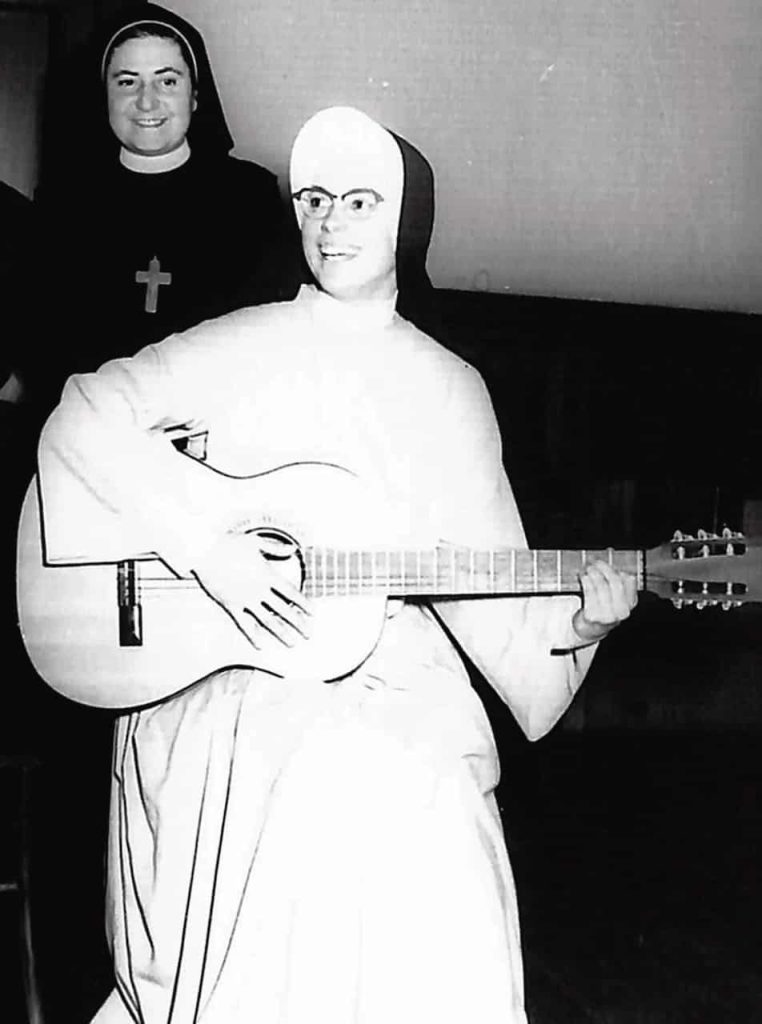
column 608, row 597
column 261, row 602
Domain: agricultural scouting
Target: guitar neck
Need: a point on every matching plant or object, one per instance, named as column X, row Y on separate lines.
column 454, row 571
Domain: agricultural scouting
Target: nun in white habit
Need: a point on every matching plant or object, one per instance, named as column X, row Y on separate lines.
column 289, row 850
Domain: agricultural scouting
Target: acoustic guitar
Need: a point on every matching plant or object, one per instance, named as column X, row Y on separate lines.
column 128, row 632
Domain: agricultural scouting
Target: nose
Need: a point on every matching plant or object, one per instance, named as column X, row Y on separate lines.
column 146, row 99
column 336, row 220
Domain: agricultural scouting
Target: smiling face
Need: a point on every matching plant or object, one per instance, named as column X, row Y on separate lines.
column 343, row 153
column 150, row 95
column 351, row 258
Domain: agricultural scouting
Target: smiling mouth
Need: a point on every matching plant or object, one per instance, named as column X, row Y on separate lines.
column 337, row 255
column 150, row 122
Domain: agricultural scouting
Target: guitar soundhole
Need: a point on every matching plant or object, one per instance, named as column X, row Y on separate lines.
column 277, row 546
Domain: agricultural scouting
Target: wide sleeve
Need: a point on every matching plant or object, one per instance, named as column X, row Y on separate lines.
column 106, row 454
column 524, row 646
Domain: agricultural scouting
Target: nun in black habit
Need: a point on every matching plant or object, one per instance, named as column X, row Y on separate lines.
column 138, row 181
column 152, row 225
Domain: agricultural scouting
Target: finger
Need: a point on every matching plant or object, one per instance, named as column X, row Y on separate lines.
column 623, row 589
column 286, row 590
column 292, row 597
column 630, row 589
column 594, row 583
column 597, row 598
column 246, row 626
column 292, row 616
column 284, row 618
column 268, row 621
column 613, row 594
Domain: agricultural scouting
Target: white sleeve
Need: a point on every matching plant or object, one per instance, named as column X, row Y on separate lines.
column 108, row 469
column 523, row 646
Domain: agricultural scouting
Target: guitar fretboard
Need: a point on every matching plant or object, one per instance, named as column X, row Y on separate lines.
column 453, row 571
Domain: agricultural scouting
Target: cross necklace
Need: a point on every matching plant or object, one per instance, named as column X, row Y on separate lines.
column 152, row 278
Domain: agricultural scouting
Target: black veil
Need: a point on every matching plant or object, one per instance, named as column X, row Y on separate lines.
column 416, row 299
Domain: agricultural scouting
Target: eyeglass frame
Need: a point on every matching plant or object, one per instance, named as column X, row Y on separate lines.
column 297, row 197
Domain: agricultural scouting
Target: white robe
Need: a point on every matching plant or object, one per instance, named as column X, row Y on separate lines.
column 295, row 851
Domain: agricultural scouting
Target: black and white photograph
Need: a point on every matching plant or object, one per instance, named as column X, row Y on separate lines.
column 381, row 545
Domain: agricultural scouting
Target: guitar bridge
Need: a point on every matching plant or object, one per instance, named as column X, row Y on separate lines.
column 128, row 603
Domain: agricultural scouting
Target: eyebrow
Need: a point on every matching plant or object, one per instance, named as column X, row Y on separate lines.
column 158, row 71
column 349, row 192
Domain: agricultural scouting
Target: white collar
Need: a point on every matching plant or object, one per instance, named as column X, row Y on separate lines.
column 142, row 164
column 360, row 315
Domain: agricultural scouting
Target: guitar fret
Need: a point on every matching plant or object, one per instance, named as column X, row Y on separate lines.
column 455, row 571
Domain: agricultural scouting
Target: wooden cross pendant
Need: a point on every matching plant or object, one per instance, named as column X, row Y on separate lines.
column 152, row 278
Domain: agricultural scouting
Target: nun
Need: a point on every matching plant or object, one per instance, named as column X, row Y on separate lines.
column 152, row 226
column 286, row 848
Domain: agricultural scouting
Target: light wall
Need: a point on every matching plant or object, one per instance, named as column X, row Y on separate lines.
column 606, row 149
column 23, row 54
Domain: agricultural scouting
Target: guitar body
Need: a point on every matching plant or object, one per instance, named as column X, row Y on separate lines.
column 73, row 628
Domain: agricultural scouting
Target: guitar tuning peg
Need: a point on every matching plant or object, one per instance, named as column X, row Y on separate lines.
column 701, row 534
column 701, row 605
column 727, row 533
column 677, row 535
column 678, row 602
column 727, row 605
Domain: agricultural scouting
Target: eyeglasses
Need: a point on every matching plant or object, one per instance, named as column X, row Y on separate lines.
column 358, row 203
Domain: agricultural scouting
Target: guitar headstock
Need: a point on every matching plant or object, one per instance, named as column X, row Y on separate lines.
column 706, row 570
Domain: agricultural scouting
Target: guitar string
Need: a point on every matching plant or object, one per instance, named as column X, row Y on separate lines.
column 330, row 576
column 335, row 582
column 369, row 583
